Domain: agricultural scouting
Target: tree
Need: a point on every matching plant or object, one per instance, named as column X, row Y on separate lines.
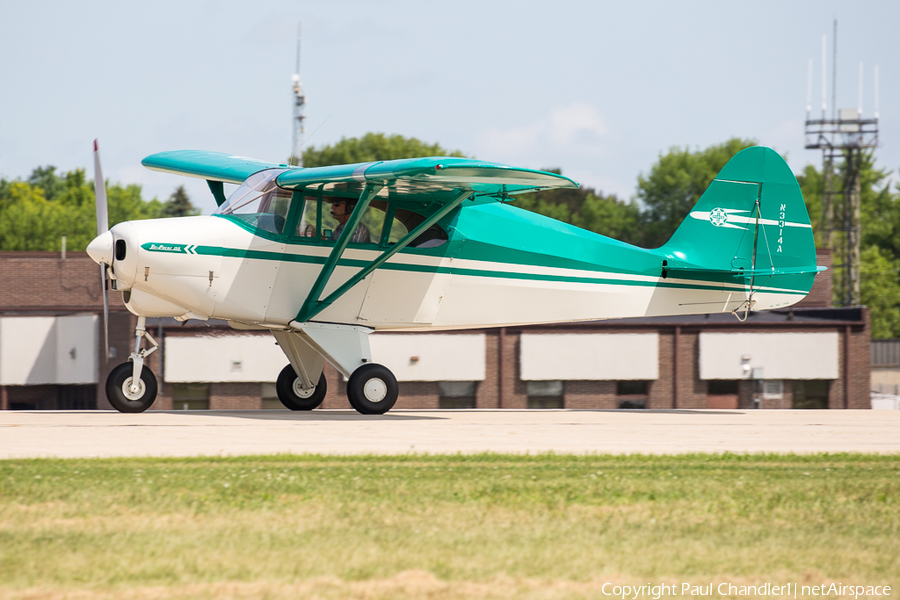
column 371, row 147
column 36, row 213
column 675, row 183
column 179, row 205
column 586, row 208
column 879, row 240
column 879, row 289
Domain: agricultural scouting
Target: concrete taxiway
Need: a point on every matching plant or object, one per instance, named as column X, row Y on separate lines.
column 230, row 433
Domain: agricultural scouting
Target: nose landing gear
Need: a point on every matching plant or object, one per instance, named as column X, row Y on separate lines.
column 131, row 387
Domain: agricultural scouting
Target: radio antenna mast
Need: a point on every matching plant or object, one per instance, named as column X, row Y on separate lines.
column 299, row 116
column 845, row 137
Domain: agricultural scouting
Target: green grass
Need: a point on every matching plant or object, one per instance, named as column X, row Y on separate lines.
column 441, row 526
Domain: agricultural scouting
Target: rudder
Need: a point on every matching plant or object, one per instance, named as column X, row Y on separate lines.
column 751, row 224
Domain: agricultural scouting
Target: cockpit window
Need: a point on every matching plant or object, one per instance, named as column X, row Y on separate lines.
column 259, row 202
column 432, row 237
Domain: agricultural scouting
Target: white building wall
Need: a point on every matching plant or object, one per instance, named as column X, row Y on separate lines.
column 431, row 357
column 227, row 358
column 252, row 358
column 48, row 350
column 589, row 356
column 779, row 355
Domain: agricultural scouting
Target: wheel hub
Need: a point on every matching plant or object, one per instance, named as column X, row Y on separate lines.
column 126, row 389
column 375, row 390
column 300, row 391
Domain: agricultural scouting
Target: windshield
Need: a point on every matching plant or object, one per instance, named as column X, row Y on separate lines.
column 259, row 201
column 250, row 196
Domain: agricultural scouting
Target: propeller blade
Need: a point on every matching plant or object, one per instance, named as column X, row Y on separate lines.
column 100, row 193
column 102, row 227
column 104, row 281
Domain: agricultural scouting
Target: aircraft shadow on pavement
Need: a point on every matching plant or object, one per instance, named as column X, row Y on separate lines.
column 668, row 411
column 352, row 415
column 312, row 415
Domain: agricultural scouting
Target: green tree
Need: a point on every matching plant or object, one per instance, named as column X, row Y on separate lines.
column 879, row 240
column 879, row 289
column 179, row 205
column 371, row 147
column 28, row 221
column 675, row 183
column 36, row 213
column 586, row 208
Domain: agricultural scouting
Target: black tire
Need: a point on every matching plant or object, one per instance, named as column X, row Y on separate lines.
column 372, row 389
column 291, row 395
column 121, row 398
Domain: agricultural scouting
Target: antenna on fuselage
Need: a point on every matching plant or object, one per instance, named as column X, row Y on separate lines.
column 299, row 117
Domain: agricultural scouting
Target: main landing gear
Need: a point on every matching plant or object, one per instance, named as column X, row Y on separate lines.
column 294, row 395
column 371, row 388
column 131, row 387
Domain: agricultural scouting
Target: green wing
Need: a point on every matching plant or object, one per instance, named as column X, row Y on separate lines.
column 212, row 166
column 431, row 179
column 434, row 178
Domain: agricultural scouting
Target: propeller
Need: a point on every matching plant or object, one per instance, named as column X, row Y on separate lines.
column 102, row 227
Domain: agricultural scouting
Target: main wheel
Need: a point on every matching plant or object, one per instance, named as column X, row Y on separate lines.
column 293, row 396
column 372, row 389
column 118, row 389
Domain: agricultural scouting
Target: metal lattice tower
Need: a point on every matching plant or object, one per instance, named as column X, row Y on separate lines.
column 842, row 139
column 299, row 116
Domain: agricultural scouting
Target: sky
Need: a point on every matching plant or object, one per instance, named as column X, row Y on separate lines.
column 598, row 89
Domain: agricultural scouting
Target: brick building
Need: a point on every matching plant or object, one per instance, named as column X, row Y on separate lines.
column 810, row 356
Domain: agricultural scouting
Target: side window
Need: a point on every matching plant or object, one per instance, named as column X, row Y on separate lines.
column 306, row 224
column 273, row 210
column 335, row 213
column 432, row 237
column 398, row 231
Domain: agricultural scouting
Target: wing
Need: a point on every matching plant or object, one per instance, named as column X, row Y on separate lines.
column 212, row 166
column 434, row 178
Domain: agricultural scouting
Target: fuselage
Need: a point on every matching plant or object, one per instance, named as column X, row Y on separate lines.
column 500, row 266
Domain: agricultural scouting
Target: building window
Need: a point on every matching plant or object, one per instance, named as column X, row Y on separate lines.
column 457, row 394
column 722, row 394
column 810, row 393
column 631, row 394
column 773, row 389
column 545, row 394
column 190, row 396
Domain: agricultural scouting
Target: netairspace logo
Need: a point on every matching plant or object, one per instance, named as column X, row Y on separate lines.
column 787, row 590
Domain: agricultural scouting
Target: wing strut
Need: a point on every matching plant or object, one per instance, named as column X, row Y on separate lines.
column 218, row 191
column 313, row 306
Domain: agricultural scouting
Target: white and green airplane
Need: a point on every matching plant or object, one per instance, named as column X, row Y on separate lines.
column 322, row 257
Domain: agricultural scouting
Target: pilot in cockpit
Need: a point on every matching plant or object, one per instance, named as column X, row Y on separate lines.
column 341, row 208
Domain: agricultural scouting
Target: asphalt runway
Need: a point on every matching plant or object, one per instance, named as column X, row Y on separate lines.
column 230, row 433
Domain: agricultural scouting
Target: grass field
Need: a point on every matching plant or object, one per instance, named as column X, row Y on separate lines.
column 485, row 526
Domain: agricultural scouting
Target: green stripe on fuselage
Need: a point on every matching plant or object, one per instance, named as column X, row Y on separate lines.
column 710, row 285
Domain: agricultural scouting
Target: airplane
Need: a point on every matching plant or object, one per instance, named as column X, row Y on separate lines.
column 322, row 257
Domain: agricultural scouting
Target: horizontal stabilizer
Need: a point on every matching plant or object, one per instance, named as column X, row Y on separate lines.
column 691, row 273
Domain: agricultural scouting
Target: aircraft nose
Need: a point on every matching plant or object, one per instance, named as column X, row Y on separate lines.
column 101, row 248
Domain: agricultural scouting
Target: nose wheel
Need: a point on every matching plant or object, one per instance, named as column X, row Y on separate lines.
column 131, row 387
column 126, row 396
column 372, row 389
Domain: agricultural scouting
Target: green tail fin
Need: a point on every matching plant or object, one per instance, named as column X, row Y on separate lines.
column 750, row 223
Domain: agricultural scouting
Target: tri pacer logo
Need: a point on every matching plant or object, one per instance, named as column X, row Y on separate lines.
column 171, row 248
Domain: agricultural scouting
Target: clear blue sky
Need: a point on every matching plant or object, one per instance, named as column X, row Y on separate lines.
column 598, row 89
